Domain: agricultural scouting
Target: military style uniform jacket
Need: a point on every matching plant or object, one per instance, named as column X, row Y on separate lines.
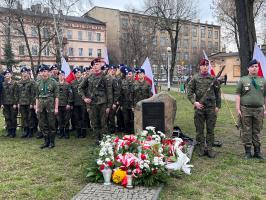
column 65, row 94
column 197, row 88
column 77, row 100
column 26, row 92
column 127, row 88
column 9, row 93
column 97, row 88
column 142, row 90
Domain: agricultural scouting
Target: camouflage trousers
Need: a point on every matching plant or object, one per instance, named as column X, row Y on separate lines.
column 63, row 117
column 98, row 117
column 47, row 121
column 204, row 116
column 27, row 118
column 252, row 122
column 10, row 115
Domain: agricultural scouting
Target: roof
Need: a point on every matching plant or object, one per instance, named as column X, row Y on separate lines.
column 85, row 19
column 145, row 15
column 224, row 54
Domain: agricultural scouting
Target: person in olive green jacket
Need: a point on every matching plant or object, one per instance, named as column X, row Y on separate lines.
column 204, row 93
column 9, row 103
column 47, row 106
column 250, row 107
column 65, row 100
column 26, row 101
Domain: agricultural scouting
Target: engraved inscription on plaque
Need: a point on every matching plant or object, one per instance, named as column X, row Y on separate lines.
column 153, row 115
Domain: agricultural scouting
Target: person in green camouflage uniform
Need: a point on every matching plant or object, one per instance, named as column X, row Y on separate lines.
column 54, row 72
column 79, row 107
column 26, row 102
column 97, row 95
column 206, row 105
column 142, row 90
column 65, row 100
column 9, row 103
column 126, row 100
column 250, row 106
column 47, row 106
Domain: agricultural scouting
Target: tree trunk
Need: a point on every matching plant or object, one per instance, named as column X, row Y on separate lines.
column 247, row 34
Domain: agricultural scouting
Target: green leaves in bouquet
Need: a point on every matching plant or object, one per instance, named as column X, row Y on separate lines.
column 94, row 174
column 149, row 180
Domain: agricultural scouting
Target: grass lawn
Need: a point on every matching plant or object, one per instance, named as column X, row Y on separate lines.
column 228, row 89
column 26, row 172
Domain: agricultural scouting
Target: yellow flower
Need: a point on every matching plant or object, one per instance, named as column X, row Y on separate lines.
column 118, row 176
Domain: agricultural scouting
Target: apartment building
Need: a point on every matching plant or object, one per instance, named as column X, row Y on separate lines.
column 84, row 38
column 193, row 38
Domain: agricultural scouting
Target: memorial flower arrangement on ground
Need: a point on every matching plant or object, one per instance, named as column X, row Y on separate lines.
column 146, row 159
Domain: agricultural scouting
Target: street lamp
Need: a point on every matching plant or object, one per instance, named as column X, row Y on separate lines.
column 168, row 67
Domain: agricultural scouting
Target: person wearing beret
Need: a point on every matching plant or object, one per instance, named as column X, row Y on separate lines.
column 47, row 106
column 54, row 72
column 78, row 106
column 26, row 102
column 205, row 95
column 250, row 107
column 9, row 103
column 65, row 101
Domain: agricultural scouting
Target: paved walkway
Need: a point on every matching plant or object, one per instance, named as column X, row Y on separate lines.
column 94, row 191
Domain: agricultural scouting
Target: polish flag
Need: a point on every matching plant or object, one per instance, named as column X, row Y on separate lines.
column 260, row 57
column 210, row 70
column 148, row 74
column 70, row 76
column 105, row 56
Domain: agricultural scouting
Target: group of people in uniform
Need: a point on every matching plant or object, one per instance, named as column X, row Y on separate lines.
column 101, row 97
column 205, row 95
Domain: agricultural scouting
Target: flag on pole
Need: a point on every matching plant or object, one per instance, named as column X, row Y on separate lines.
column 260, row 57
column 105, row 56
column 148, row 74
column 210, row 70
column 68, row 73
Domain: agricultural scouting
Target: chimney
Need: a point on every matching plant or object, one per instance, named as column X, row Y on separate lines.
column 46, row 10
column 198, row 20
column 224, row 49
column 206, row 22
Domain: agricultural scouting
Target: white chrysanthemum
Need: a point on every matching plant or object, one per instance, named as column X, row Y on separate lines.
column 144, row 133
column 146, row 165
column 99, row 162
column 152, row 128
column 107, row 159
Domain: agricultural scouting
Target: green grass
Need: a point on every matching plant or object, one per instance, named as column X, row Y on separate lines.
column 228, row 89
column 26, row 172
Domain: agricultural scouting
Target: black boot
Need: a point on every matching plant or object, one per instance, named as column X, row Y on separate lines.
column 13, row 132
column 25, row 132
column 247, row 152
column 257, row 153
column 30, row 135
column 78, row 133
column 98, row 137
column 39, row 135
column 83, row 133
column 8, row 132
column 46, row 142
column 52, row 144
column 67, row 134
column 61, row 133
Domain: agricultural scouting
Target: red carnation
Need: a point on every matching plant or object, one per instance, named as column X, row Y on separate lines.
column 143, row 157
column 102, row 167
column 110, row 163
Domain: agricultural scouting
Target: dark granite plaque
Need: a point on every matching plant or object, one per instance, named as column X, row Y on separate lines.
column 153, row 115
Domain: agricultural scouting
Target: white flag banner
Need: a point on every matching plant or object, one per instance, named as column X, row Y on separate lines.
column 148, row 74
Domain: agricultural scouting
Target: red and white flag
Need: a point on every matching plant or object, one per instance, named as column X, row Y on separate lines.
column 70, row 76
column 105, row 56
column 210, row 70
column 260, row 57
column 148, row 74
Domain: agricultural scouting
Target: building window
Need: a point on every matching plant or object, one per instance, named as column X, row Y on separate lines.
column 90, row 52
column 209, row 44
column 194, row 31
column 194, row 43
column 70, row 51
column 98, row 37
column 177, row 55
column 186, row 31
column 34, row 32
column 21, row 50
column 79, row 35
column 80, row 51
column 69, row 34
column 179, row 44
column 216, row 47
column 46, row 33
column 185, row 44
column 209, row 33
column 163, row 41
column 124, row 22
column 46, row 51
column 202, row 32
column 90, row 36
column 99, row 53
column 202, row 44
column 236, row 71
column 34, row 50
column 154, row 41
column 216, row 34
column 186, row 56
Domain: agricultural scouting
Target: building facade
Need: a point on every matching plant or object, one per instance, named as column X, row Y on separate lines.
column 84, row 38
column 194, row 37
